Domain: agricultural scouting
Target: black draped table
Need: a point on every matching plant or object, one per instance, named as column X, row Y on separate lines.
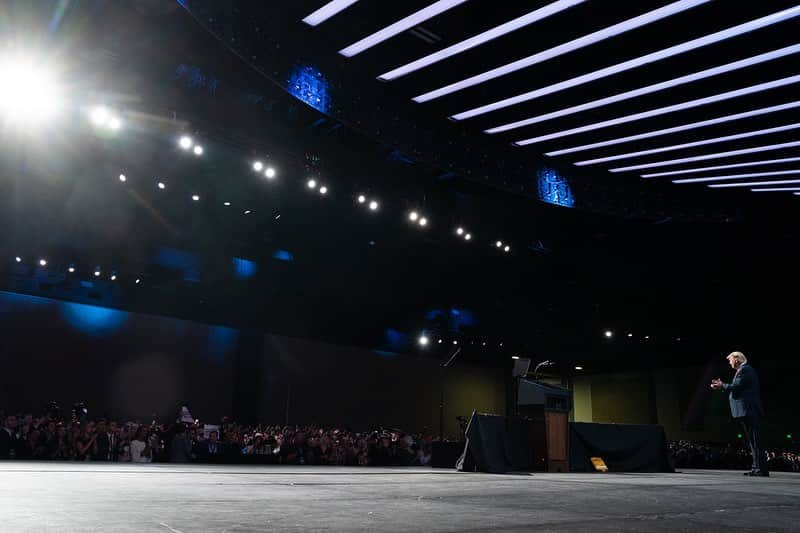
column 623, row 447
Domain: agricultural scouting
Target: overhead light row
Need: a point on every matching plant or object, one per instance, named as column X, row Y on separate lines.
column 96, row 272
column 187, row 143
column 565, row 48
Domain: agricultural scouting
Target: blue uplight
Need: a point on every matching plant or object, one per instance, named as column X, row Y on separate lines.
column 221, row 342
column 283, row 255
column 93, row 320
column 244, row 268
column 308, row 85
column 554, row 188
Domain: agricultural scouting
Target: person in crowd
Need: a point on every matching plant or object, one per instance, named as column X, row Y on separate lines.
column 9, row 438
column 140, row 446
column 180, row 450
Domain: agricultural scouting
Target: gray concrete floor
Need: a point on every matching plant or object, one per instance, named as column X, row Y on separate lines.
column 178, row 498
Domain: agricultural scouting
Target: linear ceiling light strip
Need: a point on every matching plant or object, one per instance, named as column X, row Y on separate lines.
column 415, row 19
column 571, row 46
column 675, row 129
column 327, row 11
column 694, row 44
column 718, row 155
column 664, row 110
column 722, row 167
column 752, row 184
column 703, row 74
column 704, row 142
column 481, row 38
column 778, row 189
column 738, row 176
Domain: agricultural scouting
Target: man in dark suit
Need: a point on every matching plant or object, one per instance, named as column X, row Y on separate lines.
column 746, row 408
column 10, row 442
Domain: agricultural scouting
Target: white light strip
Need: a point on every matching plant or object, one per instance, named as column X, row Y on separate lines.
column 571, row 46
column 481, row 38
column 722, row 167
column 713, row 140
column 752, row 184
column 738, row 176
column 722, row 35
column 706, row 157
column 665, row 110
column 703, row 74
column 327, row 11
column 415, row 19
column 683, row 127
column 778, row 189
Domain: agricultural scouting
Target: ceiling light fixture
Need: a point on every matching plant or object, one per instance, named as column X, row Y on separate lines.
column 571, row 46
column 415, row 19
column 738, row 176
column 713, row 140
column 752, row 184
column 633, row 93
column 777, row 189
column 723, row 167
column 327, row 11
column 705, row 157
column 481, row 38
column 728, row 95
column 676, row 129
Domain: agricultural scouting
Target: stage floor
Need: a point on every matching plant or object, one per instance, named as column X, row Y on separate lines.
column 188, row 498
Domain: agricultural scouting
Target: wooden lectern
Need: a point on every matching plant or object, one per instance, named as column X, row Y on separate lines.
column 548, row 406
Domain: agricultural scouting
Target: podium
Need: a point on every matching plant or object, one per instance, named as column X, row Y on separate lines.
column 548, row 408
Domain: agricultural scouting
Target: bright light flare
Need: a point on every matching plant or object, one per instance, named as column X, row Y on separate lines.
column 29, row 94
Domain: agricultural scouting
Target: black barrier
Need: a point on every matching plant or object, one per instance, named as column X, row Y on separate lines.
column 497, row 444
column 623, row 447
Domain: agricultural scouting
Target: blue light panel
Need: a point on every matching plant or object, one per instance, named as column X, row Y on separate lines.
column 244, row 268
column 308, row 85
column 554, row 188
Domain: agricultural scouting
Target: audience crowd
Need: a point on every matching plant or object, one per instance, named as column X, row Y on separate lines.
column 689, row 454
column 81, row 439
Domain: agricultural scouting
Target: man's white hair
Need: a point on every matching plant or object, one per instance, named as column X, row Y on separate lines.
column 739, row 356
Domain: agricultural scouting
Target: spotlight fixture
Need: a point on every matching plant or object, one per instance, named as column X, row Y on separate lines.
column 185, row 142
column 608, row 334
column 71, row 269
column 161, row 185
column 578, row 368
column 312, row 184
column 507, row 249
column 226, row 204
column 247, row 212
column 630, row 335
column 269, row 173
column 99, row 116
column 413, row 216
column 440, row 341
column 460, row 231
column 423, row 340
column 467, row 237
column 373, row 205
column 198, row 150
column 195, row 198
column 113, row 277
column 323, row 190
column 97, row 273
column 515, row 357
column 361, row 198
column 455, row 342
column 29, row 94
column 499, row 244
column 114, row 123
column 18, row 259
column 423, row 222
column 122, row 178
column 138, row 281
column 43, row 262
column 258, row 166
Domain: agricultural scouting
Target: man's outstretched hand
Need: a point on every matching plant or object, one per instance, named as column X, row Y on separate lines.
column 716, row 384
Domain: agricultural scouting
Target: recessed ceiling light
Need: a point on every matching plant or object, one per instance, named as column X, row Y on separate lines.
column 185, row 142
column 703, row 142
column 413, row 216
column 195, row 198
column 227, row 204
column 161, row 185
column 738, row 176
column 257, row 166
column 270, row 173
column 728, row 95
column 705, row 157
column 634, row 93
column 415, row 19
column 122, row 178
column 571, row 46
column 481, row 38
column 327, row 11
column 676, row 129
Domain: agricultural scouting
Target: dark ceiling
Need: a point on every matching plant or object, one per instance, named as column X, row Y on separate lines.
column 691, row 269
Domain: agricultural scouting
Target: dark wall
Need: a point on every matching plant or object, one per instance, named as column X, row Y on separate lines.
column 121, row 364
column 366, row 389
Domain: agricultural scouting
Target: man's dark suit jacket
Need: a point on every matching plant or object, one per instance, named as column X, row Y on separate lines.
column 8, row 443
column 745, row 393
